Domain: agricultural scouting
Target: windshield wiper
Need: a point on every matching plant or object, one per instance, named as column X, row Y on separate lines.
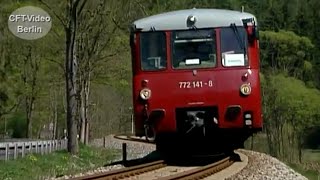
column 236, row 32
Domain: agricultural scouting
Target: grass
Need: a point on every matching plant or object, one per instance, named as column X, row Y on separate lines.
column 56, row 164
column 311, row 155
column 310, row 167
column 310, row 174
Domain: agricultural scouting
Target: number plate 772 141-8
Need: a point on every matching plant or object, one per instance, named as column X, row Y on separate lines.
column 195, row 84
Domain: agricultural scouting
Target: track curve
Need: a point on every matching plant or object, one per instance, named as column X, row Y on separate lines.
column 197, row 173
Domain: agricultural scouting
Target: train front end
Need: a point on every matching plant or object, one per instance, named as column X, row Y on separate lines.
column 196, row 78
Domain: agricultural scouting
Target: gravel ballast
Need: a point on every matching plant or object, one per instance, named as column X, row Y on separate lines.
column 263, row 166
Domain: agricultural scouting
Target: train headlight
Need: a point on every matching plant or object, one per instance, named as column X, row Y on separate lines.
column 248, row 118
column 145, row 93
column 191, row 20
column 245, row 89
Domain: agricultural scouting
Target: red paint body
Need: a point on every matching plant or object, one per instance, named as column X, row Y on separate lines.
column 225, row 91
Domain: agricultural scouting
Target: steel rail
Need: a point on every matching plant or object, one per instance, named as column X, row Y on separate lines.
column 125, row 172
column 129, row 138
column 202, row 172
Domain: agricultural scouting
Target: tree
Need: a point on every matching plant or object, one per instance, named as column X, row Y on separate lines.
column 290, row 109
column 286, row 52
column 10, row 94
column 70, row 22
column 93, row 31
column 29, row 75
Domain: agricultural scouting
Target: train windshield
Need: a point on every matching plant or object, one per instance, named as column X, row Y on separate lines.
column 193, row 49
column 234, row 46
column 153, row 51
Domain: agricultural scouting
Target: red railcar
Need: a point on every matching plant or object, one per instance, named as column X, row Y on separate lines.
column 196, row 77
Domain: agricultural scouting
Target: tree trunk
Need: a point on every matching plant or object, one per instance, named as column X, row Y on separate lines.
column 86, row 102
column 29, row 77
column 82, row 115
column 86, row 141
column 29, row 109
column 300, row 147
column 71, row 89
column 55, row 117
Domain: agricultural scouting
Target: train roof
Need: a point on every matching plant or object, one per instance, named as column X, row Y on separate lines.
column 205, row 18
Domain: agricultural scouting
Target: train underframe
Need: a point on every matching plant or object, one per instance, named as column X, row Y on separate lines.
column 198, row 133
column 219, row 141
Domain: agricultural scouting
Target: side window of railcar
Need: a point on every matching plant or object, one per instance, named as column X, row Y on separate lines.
column 193, row 49
column 234, row 47
column 153, row 51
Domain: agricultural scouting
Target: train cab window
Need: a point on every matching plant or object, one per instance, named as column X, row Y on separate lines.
column 153, row 51
column 193, row 49
column 234, row 46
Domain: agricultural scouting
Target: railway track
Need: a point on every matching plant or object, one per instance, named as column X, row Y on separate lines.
column 202, row 172
column 152, row 167
column 133, row 138
column 197, row 173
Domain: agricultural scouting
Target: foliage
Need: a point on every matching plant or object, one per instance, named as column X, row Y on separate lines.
column 290, row 110
column 285, row 51
column 17, row 123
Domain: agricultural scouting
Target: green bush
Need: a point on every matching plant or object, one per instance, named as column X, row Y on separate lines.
column 18, row 125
